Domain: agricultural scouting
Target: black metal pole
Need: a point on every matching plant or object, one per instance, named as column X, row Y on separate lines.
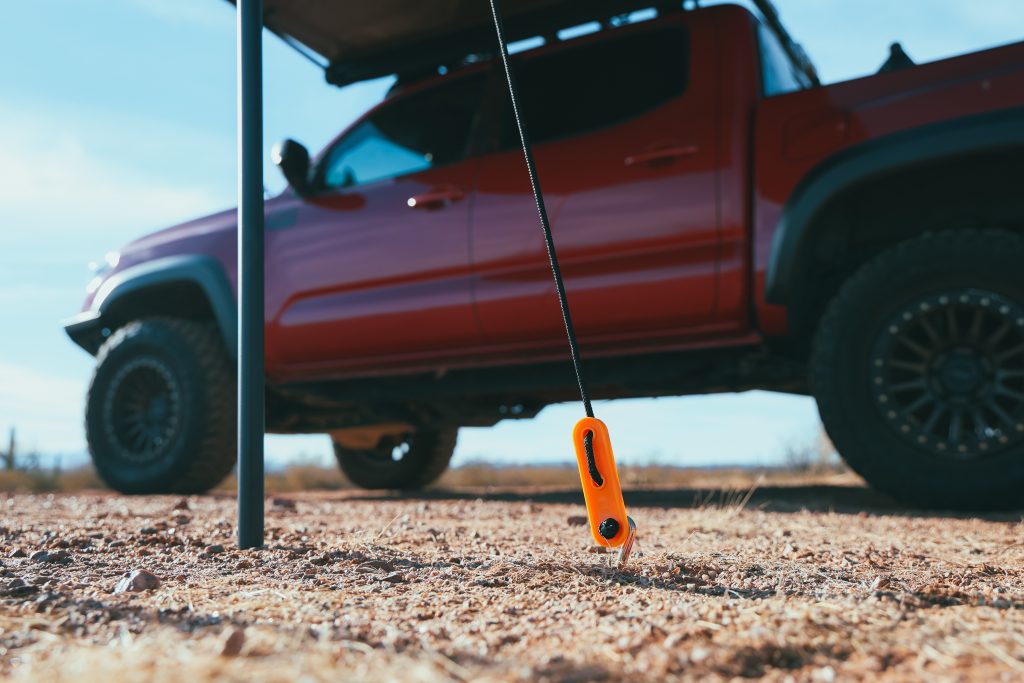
column 250, row 274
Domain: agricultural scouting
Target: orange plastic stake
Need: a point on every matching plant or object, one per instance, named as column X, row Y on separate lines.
column 610, row 526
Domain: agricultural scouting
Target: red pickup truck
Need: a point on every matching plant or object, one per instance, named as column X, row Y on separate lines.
column 724, row 223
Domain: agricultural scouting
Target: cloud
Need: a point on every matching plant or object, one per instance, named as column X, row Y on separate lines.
column 202, row 13
column 60, row 175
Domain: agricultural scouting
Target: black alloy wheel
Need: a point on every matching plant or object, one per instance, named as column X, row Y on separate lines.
column 948, row 373
column 142, row 410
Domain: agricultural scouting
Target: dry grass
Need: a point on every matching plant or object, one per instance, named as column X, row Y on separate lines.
column 312, row 477
column 46, row 480
column 732, row 581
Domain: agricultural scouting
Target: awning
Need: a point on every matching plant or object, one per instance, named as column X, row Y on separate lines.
column 356, row 41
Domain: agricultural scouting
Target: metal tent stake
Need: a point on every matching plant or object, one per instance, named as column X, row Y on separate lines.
column 250, row 274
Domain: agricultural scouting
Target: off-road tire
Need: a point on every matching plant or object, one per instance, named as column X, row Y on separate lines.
column 195, row 447
column 847, row 371
column 426, row 457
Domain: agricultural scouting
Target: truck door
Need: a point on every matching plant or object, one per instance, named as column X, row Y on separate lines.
column 624, row 126
column 374, row 270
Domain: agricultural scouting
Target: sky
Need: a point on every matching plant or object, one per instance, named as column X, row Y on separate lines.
column 118, row 118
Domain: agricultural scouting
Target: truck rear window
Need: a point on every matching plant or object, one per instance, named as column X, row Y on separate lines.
column 589, row 87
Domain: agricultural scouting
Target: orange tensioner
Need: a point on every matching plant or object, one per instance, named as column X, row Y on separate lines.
column 610, row 526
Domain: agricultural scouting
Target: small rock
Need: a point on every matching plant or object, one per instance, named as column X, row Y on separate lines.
column 825, row 674
column 214, row 549
column 284, row 503
column 880, row 582
column 59, row 557
column 673, row 640
column 39, row 556
column 577, row 520
column 233, row 642
column 182, row 505
column 17, row 552
column 19, row 588
column 244, row 564
column 148, row 530
column 137, row 581
column 394, row 577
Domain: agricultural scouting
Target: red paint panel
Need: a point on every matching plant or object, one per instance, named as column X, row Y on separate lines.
column 381, row 278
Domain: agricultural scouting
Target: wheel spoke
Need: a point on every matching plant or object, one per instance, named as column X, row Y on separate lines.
column 914, row 346
column 933, row 336
column 997, row 409
column 997, row 336
column 933, row 419
column 910, row 385
column 909, row 367
column 974, row 334
column 953, row 328
column 1010, row 353
column 981, row 428
column 921, row 402
column 956, row 426
column 1005, row 391
column 1008, row 374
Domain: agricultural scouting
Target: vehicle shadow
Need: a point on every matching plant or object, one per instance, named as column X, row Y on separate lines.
column 840, row 499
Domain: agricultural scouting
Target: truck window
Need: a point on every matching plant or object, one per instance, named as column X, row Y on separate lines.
column 410, row 134
column 778, row 74
column 588, row 87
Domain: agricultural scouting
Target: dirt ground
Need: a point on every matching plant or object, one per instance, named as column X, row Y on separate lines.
column 818, row 581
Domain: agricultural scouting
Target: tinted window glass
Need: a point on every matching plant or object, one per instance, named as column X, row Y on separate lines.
column 584, row 88
column 778, row 75
column 412, row 134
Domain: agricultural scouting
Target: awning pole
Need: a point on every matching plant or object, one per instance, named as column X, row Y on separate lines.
column 250, row 274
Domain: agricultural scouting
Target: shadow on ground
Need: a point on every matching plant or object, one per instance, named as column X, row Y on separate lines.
column 842, row 499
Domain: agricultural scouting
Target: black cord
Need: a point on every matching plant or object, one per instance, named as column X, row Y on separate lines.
column 549, row 242
column 545, row 226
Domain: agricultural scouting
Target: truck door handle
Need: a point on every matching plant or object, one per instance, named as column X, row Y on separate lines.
column 661, row 154
column 436, row 198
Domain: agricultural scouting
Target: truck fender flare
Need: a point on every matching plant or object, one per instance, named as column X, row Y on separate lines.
column 798, row 227
column 203, row 271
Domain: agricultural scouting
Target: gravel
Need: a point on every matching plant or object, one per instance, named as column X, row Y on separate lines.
column 496, row 586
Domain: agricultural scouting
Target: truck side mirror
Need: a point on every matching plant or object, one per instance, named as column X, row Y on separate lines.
column 293, row 160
